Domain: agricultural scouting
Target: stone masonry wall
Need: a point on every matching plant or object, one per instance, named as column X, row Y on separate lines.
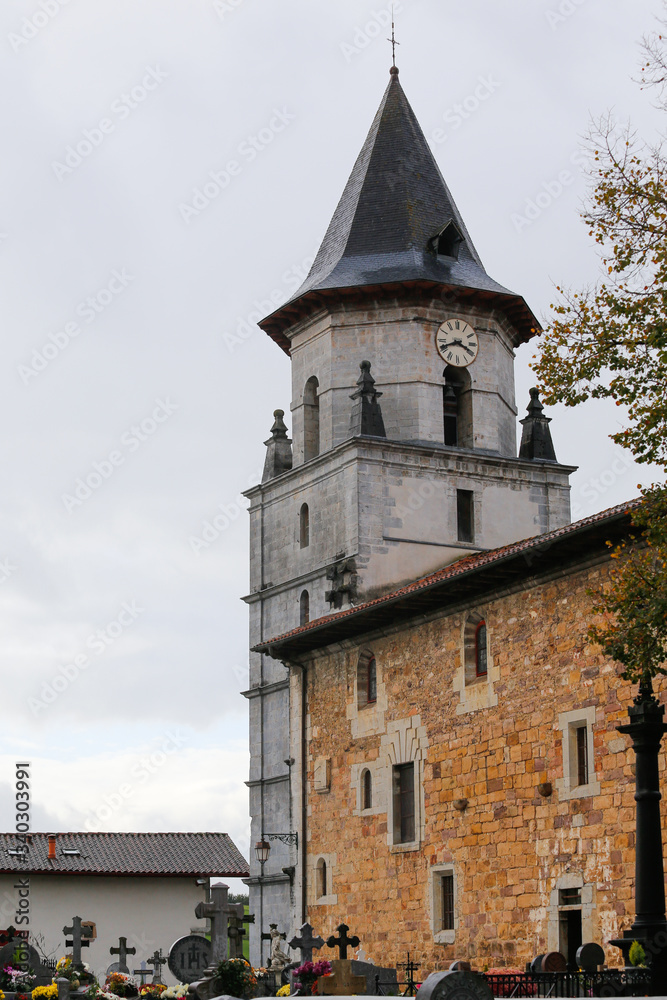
column 488, row 741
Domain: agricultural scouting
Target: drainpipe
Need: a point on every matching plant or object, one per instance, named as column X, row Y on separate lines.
column 304, row 797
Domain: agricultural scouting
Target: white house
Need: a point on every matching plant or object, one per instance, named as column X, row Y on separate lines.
column 140, row 886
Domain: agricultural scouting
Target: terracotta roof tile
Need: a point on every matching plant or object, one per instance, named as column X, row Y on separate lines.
column 154, row 854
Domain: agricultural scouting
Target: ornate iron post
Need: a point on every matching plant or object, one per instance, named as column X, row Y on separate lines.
column 646, row 729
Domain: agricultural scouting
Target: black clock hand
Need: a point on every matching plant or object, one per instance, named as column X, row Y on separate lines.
column 458, row 343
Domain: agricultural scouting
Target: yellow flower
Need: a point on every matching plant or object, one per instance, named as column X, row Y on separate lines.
column 284, row 991
column 45, row 992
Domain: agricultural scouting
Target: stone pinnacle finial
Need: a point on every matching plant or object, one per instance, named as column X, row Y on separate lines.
column 536, row 443
column 278, row 449
column 366, row 416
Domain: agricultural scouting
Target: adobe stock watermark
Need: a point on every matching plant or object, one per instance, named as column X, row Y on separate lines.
column 88, row 310
column 459, row 113
column 226, row 514
column 121, row 109
column 375, row 27
column 142, row 771
column 97, row 642
column 224, row 7
column 248, row 150
column 291, row 280
column 550, row 192
column 130, row 441
column 31, row 26
column 565, row 9
column 589, row 495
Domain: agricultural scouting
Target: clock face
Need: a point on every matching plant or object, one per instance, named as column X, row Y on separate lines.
column 457, row 343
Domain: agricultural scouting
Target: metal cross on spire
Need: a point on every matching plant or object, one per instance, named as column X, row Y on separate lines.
column 393, row 41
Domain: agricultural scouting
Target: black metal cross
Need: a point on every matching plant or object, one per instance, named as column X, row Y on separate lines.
column 393, row 41
column 77, row 942
column 306, row 942
column 342, row 942
column 157, row 961
column 122, row 951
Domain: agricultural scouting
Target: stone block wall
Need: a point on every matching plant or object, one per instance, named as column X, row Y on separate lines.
column 491, row 741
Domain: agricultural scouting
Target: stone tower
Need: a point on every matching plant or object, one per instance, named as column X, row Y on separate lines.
column 404, row 455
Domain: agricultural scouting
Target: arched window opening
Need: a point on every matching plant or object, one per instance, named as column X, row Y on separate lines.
column 457, row 407
column 372, row 681
column 304, row 608
column 475, row 649
column 366, row 790
column 367, row 689
column 311, row 419
column 304, row 526
column 321, row 881
column 480, row 649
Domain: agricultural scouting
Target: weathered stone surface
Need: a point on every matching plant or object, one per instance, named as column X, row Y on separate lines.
column 455, row 986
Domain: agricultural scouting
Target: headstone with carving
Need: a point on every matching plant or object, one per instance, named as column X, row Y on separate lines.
column 29, row 956
column 217, row 912
column 122, row 951
column 189, row 957
column 157, row 961
column 455, row 986
column 306, row 942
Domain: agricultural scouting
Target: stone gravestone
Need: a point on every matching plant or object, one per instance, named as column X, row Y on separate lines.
column 455, row 986
column 590, row 957
column 217, row 912
column 189, row 957
column 78, row 941
column 387, row 978
column 29, row 955
column 342, row 982
column 122, row 951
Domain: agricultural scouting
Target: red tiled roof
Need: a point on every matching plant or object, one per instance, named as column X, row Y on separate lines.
column 153, row 854
column 469, row 564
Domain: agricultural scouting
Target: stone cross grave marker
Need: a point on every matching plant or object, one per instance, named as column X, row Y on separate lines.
column 236, row 918
column 122, row 951
column 306, row 942
column 157, row 961
column 143, row 972
column 77, row 942
column 342, row 982
column 217, row 912
column 342, row 942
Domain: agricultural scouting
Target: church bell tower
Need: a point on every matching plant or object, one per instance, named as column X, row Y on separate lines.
column 403, row 455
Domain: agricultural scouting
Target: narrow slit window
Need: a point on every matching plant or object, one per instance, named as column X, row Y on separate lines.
column 582, row 755
column 372, row 689
column 480, row 650
column 465, row 515
column 304, row 526
column 304, row 608
column 447, row 888
column 404, row 803
column 366, row 790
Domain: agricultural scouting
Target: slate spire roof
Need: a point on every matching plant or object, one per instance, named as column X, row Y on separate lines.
column 385, row 228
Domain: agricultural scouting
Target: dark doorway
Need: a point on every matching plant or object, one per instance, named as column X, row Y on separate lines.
column 570, row 935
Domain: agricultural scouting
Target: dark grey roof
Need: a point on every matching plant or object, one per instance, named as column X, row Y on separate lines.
column 198, row 854
column 395, row 201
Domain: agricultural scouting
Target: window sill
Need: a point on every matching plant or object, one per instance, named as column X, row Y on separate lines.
column 404, row 848
column 330, row 900
column 444, row 937
column 579, row 791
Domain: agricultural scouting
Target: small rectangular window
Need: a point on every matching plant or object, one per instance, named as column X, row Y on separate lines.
column 582, row 755
column 447, row 887
column 464, row 515
column 404, row 803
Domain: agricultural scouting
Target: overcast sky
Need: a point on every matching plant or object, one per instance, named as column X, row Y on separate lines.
column 131, row 279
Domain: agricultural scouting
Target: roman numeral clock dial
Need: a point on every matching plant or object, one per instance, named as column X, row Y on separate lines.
column 457, row 343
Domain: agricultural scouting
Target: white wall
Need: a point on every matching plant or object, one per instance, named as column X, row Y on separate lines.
column 150, row 912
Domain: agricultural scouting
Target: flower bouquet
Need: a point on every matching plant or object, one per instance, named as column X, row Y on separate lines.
column 17, row 980
column 152, row 989
column 177, row 992
column 305, row 976
column 120, row 985
column 234, row 976
column 45, row 992
column 66, row 969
